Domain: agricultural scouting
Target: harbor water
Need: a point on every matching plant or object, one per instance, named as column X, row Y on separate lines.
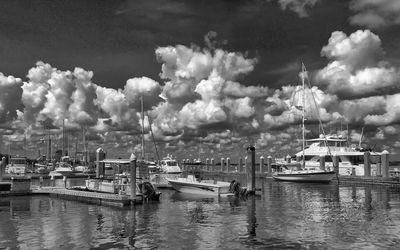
column 285, row 215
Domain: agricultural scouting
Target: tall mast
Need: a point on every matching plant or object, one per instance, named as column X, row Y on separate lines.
column 63, row 140
column 303, row 72
column 141, row 104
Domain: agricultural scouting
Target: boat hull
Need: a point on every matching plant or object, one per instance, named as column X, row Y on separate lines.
column 305, row 177
column 200, row 188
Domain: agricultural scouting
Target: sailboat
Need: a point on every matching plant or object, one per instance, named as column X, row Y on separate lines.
column 303, row 173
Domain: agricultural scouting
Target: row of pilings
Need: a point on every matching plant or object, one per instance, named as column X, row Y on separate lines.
column 265, row 165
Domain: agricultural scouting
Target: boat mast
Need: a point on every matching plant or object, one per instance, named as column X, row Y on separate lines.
column 63, row 139
column 303, row 72
column 141, row 104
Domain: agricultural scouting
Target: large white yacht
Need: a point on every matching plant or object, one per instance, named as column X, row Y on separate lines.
column 351, row 159
column 168, row 168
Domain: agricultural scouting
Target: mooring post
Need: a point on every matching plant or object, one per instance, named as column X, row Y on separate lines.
column 385, row 164
column 100, row 155
column 261, row 164
column 269, row 164
column 228, row 164
column 222, row 164
column 240, row 165
column 298, row 158
column 251, row 173
column 65, row 181
column 2, row 167
column 367, row 164
column 207, row 164
column 288, row 158
column 245, row 164
column 52, row 182
column 335, row 162
column 40, row 181
column 133, row 176
column 322, row 162
column 212, row 165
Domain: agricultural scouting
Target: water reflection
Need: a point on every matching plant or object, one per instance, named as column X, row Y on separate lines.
column 287, row 215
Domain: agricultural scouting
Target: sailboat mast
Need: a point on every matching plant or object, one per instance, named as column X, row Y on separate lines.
column 63, row 139
column 303, row 110
column 141, row 104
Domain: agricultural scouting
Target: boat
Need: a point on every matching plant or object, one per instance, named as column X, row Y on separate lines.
column 200, row 187
column 168, row 168
column 115, row 178
column 63, row 168
column 307, row 174
column 17, row 166
column 304, row 172
column 351, row 158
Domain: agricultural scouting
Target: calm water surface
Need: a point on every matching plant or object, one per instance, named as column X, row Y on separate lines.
column 287, row 215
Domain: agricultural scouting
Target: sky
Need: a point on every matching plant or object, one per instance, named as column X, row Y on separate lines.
column 215, row 76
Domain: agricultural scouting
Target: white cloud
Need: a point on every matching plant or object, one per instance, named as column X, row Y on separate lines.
column 10, row 94
column 356, row 69
column 298, row 6
column 375, row 14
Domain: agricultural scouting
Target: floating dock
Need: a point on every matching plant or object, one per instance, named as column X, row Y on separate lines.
column 78, row 195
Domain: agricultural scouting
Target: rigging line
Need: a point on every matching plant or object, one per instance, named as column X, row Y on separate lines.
column 319, row 117
column 152, row 136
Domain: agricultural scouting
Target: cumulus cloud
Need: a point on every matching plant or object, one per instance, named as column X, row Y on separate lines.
column 375, row 14
column 391, row 113
column 10, row 93
column 145, row 87
column 297, row 6
column 356, row 68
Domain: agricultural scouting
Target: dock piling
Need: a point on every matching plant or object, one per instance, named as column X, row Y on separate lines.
column 133, row 176
column 222, row 164
column 240, row 165
column 367, row 164
column 335, row 162
column 288, row 158
column 269, row 164
column 228, row 164
column 322, row 162
column 385, row 164
column 261, row 164
column 212, row 164
column 251, row 173
column 100, row 155
column 2, row 167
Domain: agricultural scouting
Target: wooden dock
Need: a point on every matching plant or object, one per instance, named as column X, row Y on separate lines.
column 78, row 195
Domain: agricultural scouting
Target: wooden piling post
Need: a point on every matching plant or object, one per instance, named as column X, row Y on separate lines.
column 298, row 158
column 288, row 158
column 335, row 162
column 133, row 160
column 245, row 164
column 240, row 165
column 2, row 167
column 251, row 170
column 228, row 164
column 222, row 164
column 385, row 164
column 322, row 162
column 261, row 164
column 207, row 164
column 269, row 164
column 100, row 155
column 212, row 164
column 367, row 164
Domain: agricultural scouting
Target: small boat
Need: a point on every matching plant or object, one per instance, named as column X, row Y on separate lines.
column 308, row 174
column 17, row 166
column 204, row 187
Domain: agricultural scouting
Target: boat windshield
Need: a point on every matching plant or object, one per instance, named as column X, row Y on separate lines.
column 171, row 163
column 18, row 161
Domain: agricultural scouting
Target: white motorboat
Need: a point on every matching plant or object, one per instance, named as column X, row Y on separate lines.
column 204, row 187
column 167, row 169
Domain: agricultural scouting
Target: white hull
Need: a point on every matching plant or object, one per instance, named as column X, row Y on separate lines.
column 161, row 179
column 305, row 177
column 186, row 185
